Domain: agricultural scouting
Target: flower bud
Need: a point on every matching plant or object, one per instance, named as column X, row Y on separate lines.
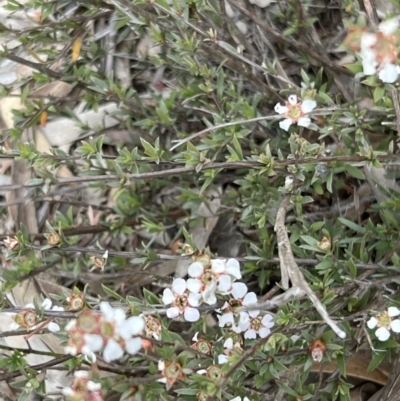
column 11, row 243
column 325, row 244
column 317, row 349
column 26, row 318
column 75, row 301
column 53, row 239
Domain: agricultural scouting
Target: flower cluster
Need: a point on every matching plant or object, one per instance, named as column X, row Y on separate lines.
column 385, row 322
column 249, row 322
column 378, row 51
column 83, row 389
column 208, row 277
column 110, row 332
column 295, row 112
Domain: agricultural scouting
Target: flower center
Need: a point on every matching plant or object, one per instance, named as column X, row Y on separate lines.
column 385, row 49
column 384, row 320
column 256, row 324
column 207, row 278
column 181, row 301
column 107, row 329
column 294, row 111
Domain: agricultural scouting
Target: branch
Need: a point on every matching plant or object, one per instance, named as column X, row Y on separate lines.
column 290, row 271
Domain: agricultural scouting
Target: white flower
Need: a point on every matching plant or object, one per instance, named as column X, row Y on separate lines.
column 219, row 277
column 182, row 303
column 385, row 322
column 259, row 326
column 379, row 52
column 239, row 321
column 240, row 399
column 295, row 112
column 389, row 27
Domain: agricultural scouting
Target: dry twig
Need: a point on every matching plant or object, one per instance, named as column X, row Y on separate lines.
column 290, row 272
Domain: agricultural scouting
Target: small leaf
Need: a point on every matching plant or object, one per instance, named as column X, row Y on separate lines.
column 112, row 293
column 376, row 361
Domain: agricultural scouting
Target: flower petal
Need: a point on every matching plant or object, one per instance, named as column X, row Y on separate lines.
column 112, row 351
column 119, row 315
column 133, row 345
column 194, row 299
column 173, row 312
column 250, row 299
column 239, row 290
column 90, row 357
column 191, row 314
column 132, row 326
column 225, row 319
column 264, row 332
column 222, row 359
column 70, row 325
column 369, row 65
column 53, row 327
column 267, row 321
column 196, row 269
column 395, row 325
column 285, row 124
column 209, row 298
column 228, row 343
column 218, row 265
column 179, row 286
column 393, row 311
column 46, row 304
column 372, row 322
column 280, row 109
column 308, row 106
column 92, row 386
column 368, row 40
column 94, row 342
column 137, row 324
column 388, row 73
column 168, row 297
column 304, row 122
column 233, row 268
column 107, row 310
column 250, row 334
column 193, row 285
column 224, row 283
column 389, row 27
column 382, row 333
column 292, row 100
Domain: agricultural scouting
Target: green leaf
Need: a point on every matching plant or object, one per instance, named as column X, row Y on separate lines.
column 354, row 172
column 341, row 364
column 112, row 293
column 151, row 298
column 376, row 361
column 352, row 226
column 287, row 389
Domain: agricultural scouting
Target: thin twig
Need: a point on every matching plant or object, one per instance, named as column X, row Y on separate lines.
column 395, row 97
column 290, row 271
